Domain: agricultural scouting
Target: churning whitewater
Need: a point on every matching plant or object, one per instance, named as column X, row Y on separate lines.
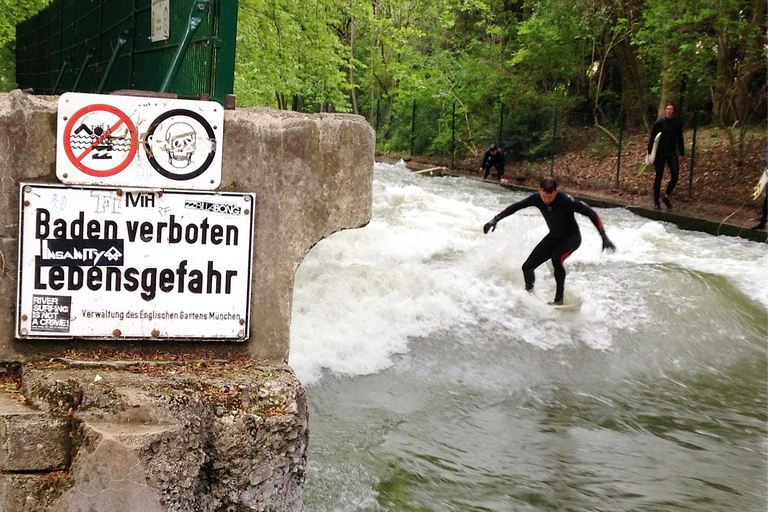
column 436, row 381
column 423, row 265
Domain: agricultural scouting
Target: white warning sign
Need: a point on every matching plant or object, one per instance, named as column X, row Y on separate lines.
column 160, row 21
column 143, row 142
column 98, row 263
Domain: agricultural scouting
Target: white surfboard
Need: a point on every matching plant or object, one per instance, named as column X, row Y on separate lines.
column 570, row 302
column 573, row 306
column 651, row 157
column 761, row 185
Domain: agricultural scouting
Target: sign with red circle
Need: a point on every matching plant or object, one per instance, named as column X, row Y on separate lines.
column 134, row 141
column 100, row 140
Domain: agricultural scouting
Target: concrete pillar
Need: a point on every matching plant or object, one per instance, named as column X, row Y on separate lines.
column 162, row 426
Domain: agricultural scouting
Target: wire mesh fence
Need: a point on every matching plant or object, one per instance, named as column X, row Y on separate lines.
column 561, row 142
column 448, row 131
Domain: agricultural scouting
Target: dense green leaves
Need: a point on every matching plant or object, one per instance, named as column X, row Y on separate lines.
column 290, row 47
column 519, row 60
column 527, row 57
column 14, row 11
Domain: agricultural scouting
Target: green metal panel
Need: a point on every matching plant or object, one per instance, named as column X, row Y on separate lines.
column 22, row 37
column 88, row 45
column 223, row 61
column 55, row 58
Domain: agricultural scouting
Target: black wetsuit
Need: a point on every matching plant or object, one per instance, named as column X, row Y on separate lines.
column 670, row 147
column 563, row 238
column 498, row 161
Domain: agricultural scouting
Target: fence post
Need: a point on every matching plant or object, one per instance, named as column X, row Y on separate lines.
column 121, row 40
column 618, row 155
column 554, row 139
column 90, row 55
column 693, row 155
column 453, row 137
column 501, row 124
column 413, row 125
column 196, row 15
column 67, row 62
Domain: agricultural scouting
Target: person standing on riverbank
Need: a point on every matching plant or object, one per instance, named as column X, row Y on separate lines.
column 758, row 190
column 671, row 151
column 494, row 157
column 564, row 237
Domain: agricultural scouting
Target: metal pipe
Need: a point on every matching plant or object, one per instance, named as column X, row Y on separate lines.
column 501, row 124
column 554, row 139
column 199, row 10
column 693, row 155
column 88, row 56
column 413, row 125
column 453, row 137
column 124, row 35
column 618, row 151
column 64, row 66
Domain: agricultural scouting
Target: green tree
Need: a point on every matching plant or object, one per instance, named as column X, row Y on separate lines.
column 14, row 11
column 709, row 53
column 290, row 47
column 740, row 83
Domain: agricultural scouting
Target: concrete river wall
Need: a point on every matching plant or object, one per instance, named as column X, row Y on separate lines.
column 176, row 425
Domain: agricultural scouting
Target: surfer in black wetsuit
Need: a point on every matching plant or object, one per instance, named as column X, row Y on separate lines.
column 558, row 209
column 670, row 151
column 494, row 157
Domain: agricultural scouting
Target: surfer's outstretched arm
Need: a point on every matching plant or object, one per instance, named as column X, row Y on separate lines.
column 509, row 210
column 582, row 208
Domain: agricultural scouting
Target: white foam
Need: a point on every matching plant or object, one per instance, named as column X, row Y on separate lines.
column 423, row 265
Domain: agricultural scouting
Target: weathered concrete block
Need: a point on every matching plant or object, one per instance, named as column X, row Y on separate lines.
column 313, row 176
column 176, row 437
column 27, row 493
column 109, row 475
column 179, row 437
column 30, row 440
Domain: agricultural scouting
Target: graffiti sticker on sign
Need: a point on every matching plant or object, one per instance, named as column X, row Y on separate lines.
column 98, row 263
column 133, row 141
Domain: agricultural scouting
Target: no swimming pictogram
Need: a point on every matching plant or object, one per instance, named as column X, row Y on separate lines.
column 100, row 140
column 136, row 141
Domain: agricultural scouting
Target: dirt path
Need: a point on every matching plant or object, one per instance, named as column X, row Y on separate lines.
column 719, row 191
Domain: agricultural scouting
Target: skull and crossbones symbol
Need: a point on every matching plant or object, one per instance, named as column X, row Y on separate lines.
column 180, row 144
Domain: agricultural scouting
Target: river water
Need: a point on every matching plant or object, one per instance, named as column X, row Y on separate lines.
column 436, row 383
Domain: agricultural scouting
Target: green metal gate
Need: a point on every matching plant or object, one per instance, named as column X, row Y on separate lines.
column 104, row 45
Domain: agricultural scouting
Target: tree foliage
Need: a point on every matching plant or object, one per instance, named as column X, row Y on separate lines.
column 14, row 11
column 516, row 60
column 502, row 59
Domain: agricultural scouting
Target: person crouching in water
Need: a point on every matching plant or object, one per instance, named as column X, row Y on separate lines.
column 494, row 157
column 564, row 237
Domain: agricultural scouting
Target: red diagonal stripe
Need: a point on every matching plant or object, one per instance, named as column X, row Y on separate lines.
column 99, row 140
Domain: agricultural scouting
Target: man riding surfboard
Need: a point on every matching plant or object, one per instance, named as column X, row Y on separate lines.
column 564, row 237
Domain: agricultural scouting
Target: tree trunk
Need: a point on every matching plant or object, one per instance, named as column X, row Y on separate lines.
column 719, row 97
column 634, row 99
column 670, row 84
column 739, row 62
